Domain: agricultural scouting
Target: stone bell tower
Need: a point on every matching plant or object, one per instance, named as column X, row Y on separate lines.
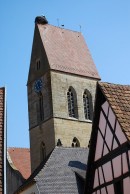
column 61, row 90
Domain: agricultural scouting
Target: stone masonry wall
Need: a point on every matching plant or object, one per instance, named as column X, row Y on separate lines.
column 66, row 128
column 60, row 83
column 57, row 124
column 42, row 133
column 33, row 101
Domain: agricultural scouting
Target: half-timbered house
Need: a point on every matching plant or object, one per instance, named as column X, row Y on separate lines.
column 108, row 169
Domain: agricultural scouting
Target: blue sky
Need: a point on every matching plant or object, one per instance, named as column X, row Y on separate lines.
column 105, row 26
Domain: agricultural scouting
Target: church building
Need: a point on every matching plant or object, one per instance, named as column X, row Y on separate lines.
column 61, row 90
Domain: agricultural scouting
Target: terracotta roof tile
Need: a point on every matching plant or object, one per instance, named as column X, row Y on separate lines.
column 119, row 98
column 2, row 99
column 20, row 160
column 67, row 51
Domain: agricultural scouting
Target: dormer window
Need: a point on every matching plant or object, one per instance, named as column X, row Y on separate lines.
column 38, row 64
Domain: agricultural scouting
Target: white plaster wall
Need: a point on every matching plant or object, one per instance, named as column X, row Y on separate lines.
column 102, row 123
column 111, row 118
column 105, row 107
column 109, row 136
column 125, row 163
column 126, row 184
column 107, row 171
column 99, row 146
column 103, row 191
column 120, row 134
column 110, row 189
column 96, row 183
column 117, row 166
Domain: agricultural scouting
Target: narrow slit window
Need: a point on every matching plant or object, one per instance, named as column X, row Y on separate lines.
column 43, row 151
column 41, row 109
column 38, row 64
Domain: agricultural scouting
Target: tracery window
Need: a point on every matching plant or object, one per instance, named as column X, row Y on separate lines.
column 71, row 105
column 87, row 103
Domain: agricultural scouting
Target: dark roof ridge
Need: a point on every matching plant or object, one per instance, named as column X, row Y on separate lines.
column 2, row 88
column 60, row 28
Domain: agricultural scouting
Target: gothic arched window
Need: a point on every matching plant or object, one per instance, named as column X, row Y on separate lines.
column 59, row 142
column 72, row 103
column 87, row 103
column 75, row 142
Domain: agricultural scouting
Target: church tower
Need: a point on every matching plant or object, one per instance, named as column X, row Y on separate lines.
column 61, row 90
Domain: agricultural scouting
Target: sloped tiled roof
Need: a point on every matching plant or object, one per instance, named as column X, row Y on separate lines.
column 119, row 98
column 19, row 159
column 2, row 100
column 67, row 51
column 61, row 172
column 58, row 176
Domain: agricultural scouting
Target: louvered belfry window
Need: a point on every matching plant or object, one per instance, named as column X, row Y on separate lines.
column 70, row 97
column 86, row 103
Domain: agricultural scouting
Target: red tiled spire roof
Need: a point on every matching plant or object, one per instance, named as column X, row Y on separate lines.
column 67, row 51
column 20, row 160
column 119, row 98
